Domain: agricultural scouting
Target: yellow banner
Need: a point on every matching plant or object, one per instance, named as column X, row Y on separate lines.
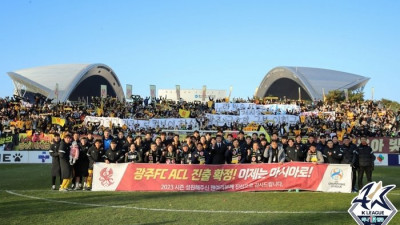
column 184, row 113
column 58, row 121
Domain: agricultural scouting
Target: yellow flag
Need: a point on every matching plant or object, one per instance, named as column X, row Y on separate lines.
column 340, row 135
column 349, row 130
column 267, row 137
column 58, row 121
column 184, row 113
column 99, row 110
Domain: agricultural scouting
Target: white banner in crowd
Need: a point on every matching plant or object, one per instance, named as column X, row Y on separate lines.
column 135, row 124
column 254, row 109
column 104, row 121
column 332, row 115
column 221, row 120
column 162, row 123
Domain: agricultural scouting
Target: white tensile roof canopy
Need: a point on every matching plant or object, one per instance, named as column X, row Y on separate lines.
column 285, row 81
column 72, row 79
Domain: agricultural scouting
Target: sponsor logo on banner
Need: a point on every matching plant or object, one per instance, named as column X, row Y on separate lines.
column 337, row 174
column 336, row 179
column 25, row 157
column 381, row 159
column 44, row 156
column 14, row 157
column 372, row 206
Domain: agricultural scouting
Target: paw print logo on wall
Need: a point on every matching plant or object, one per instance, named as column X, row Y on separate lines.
column 17, row 157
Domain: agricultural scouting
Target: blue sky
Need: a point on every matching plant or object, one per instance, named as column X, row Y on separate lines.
column 195, row 43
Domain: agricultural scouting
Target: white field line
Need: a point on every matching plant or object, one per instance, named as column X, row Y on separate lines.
column 176, row 210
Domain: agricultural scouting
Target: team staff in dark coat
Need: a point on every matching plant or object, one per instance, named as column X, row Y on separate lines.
column 95, row 154
column 365, row 158
column 90, row 139
column 348, row 150
column 55, row 165
column 66, row 168
column 121, row 141
column 292, row 152
column 127, row 145
column 218, row 151
column 82, row 168
column 300, row 148
column 114, row 155
column 333, row 154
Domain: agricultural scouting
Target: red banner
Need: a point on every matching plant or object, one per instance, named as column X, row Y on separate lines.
column 384, row 145
column 241, row 177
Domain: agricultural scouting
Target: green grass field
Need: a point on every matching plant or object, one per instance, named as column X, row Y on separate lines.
column 26, row 198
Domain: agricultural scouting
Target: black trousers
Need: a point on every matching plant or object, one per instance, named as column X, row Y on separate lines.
column 353, row 183
column 368, row 172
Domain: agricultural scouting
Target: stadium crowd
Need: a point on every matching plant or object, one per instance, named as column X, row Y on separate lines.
column 76, row 147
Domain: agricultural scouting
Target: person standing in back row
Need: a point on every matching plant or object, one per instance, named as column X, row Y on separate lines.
column 218, row 151
column 55, row 163
column 66, row 168
column 365, row 158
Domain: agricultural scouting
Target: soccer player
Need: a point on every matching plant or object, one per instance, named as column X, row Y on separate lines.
column 113, row 154
column 66, row 168
column 95, row 154
column 55, row 165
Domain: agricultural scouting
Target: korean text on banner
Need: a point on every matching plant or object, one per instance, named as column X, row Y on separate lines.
column 241, row 177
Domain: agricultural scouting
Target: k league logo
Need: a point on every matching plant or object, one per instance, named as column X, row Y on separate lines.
column 371, row 206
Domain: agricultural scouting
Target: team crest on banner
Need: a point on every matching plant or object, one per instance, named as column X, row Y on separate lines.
column 106, row 175
column 372, row 206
